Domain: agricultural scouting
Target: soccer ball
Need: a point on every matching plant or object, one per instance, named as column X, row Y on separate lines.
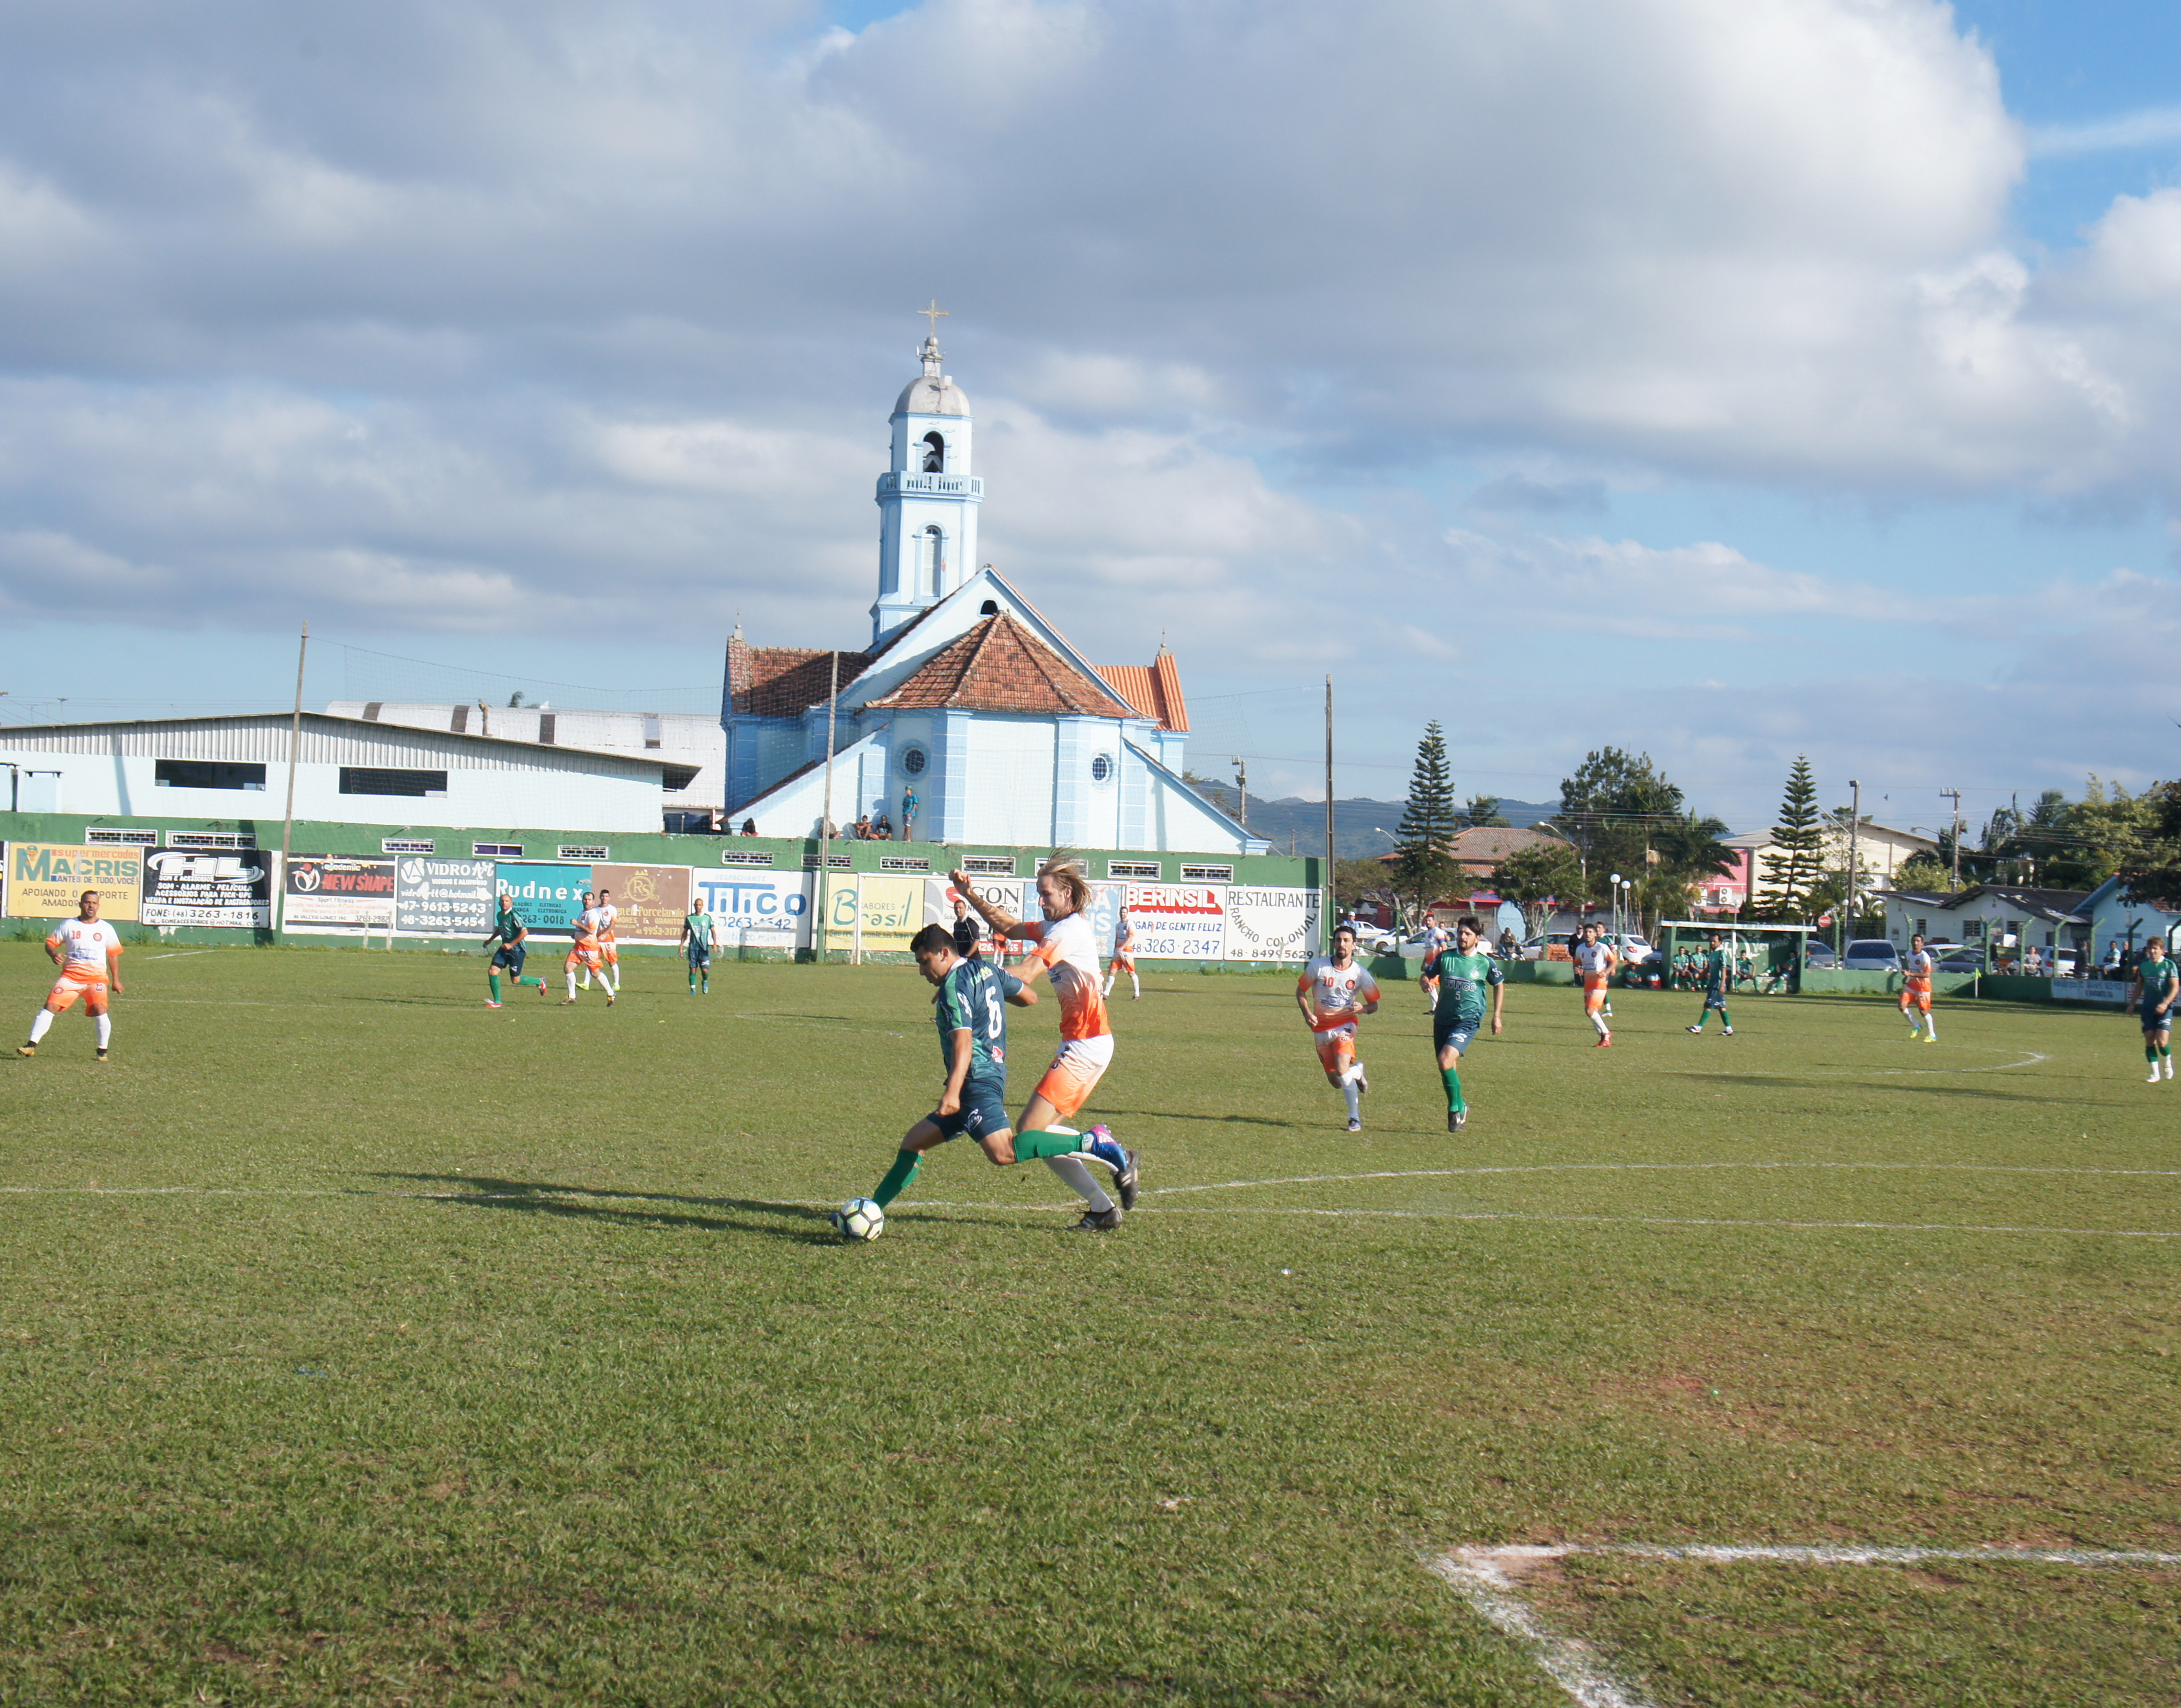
column 859, row 1218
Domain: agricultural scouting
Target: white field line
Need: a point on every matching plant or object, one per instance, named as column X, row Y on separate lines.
column 181, row 954
column 1633, row 1167
column 1488, row 1579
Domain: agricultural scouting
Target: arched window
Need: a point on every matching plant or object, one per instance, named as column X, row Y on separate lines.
column 934, row 453
column 934, row 554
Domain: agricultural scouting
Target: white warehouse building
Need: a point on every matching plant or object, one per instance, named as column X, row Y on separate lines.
column 347, row 770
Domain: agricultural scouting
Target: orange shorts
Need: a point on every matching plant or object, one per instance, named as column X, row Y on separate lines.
column 1593, row 991
column 1124, row 962
column 1076, row 1073
column 611, row 951
column 1336, row 1048
column 584, row 955
column 1917, row 992
column 78, row 981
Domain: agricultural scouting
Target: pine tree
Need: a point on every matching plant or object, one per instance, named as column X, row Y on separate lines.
column 1426, row 867
column 1795, row 864
column 1483, row 813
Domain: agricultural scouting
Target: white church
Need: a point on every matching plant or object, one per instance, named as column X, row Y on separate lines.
column 969, row 717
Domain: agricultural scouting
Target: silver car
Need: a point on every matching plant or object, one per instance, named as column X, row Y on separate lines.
column 1871, row 955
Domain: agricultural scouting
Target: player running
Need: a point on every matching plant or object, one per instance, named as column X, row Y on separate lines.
column 1333, row 992
column 608, row 945
column 509, row 932
column 1594, row 962
column 2157, row 982
column 973, row 1044
column 1713, row 977
column 1464, row 971
column 1125, row 958
column 1916, row 991
column 1069, row 953
column 88, row 952
column 1435, row 937
column 699, row 939
column 583, row 953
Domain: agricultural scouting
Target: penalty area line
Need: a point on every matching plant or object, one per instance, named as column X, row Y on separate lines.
column 1633, row 1167
column 1489, row 1579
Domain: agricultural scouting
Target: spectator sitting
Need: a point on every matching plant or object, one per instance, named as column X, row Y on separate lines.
column 864, row 828
column 750, row 826
column 883, row 829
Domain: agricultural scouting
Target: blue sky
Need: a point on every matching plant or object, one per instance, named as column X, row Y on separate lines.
column 1724, row 381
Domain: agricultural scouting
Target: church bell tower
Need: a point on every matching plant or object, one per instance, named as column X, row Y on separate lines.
column 928, row 498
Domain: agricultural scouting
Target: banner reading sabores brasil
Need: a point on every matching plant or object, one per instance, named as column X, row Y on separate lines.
column 1271, row 925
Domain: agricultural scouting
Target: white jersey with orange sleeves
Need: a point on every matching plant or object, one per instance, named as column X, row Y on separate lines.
column 588, row 923
column 1919, row 967
column 1069, row 950
column 1336, row 993
column 85, row 945
column 1593, row 961
column 607, row 912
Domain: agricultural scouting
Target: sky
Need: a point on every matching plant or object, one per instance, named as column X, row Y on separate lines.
column 1721, row 379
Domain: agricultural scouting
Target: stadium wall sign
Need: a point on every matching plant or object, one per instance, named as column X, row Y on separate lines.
column 45, row 880
column 338, row 894
column 652, row 900
column 1271, row 925
column 758, row 909
column 1177, row 922
column 189, row 887
column 547, row 896
column 445, row 898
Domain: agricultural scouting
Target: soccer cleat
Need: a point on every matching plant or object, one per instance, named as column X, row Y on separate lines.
column 1456, row 1120
column 610, row 1001
column 1124, row 1182
column 1100, row 1144
column 26, row 1049
column 1098, row 1221
column 490, row 1003
column 1697, row 1030
column 1355, row 1123
column 567, row 1002
column 101, row 1055
column 1931, row 1038
column 1605, row 1041
column 1728, row 1033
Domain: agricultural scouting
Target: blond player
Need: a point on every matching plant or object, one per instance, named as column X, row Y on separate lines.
column 583, row 954
column 1594, row 962
column 88, row 952
column 1333, row 992
column 1125, row 958
column 608, row 945
column 1916, row 991
column 1064, row 947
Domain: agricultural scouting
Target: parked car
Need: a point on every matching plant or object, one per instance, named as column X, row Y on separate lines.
column 1871, row 955
column 1962, row 961
column 1820, row 956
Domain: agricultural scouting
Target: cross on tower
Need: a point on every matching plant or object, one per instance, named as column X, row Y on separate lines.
column 934, row 314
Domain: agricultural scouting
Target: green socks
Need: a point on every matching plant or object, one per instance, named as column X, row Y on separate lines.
column 1054, row 1142
column 2150, row 1054
column 492, row 978
column 2165, row 1049
column 1451, row 1078
column 897, row 1178
column 1726, row 1020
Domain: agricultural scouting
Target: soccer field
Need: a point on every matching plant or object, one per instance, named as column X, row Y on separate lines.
column 362, row 1344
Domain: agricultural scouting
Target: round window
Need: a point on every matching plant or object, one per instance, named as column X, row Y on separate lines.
column 913, row 758
column 1102, row 769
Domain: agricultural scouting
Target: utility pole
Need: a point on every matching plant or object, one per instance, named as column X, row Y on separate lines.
column 1954, row 883
column 1327, row 915
column 1242, row 789
column 826, row 823
column 1854, row 818
column 295, row 739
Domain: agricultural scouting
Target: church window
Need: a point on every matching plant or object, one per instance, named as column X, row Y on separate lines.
column 913, row 760
column 990, row 607
column 1101, row 768
column 935, row 454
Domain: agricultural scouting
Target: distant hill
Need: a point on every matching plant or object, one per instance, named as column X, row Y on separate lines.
column 1355, row 823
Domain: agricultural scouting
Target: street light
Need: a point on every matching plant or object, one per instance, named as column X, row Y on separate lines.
column 1615, row 881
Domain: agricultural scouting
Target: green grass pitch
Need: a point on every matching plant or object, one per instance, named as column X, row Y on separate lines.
column 360, row 1343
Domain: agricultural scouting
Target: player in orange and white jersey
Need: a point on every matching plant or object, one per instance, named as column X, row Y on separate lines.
column 1333, row 992
column 1916, row 972
column 1066, row 948
column 88, row 952
column 1594, row 962
column 1125, row 958
column 609, row 944
column 583, row 952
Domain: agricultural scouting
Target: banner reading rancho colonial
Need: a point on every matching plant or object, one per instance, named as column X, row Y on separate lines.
column 1271, row 925
column 45, row 881
column 189, row 887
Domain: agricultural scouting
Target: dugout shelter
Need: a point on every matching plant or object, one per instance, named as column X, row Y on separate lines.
column 1775, row 953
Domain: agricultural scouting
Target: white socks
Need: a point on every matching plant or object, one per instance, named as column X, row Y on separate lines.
column 41, row 1023
column 571, row 987
column 1108, row 991
column 1354, row 1096
column 1071, row 1169
column 1135, row 988
column 1598, row 1019
column 105, row 1029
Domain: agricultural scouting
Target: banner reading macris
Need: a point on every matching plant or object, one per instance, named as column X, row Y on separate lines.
column 45, row 881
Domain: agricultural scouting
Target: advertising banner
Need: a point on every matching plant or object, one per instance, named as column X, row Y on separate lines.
column 2114, row 991
column 759, row 909
column 547, row 896
column 443, row 897
column 188, row 886
column 45, row 881
column 338, row 892
column 1182, row 922
column 652, row 900
column 893, row 910
column 1271, row 925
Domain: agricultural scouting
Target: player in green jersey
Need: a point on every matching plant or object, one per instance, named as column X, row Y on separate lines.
column 973, row 1045
column 699, row 938
column 1713, row 975
column 1465, row 972
column 2157, row 983
column 509, row 932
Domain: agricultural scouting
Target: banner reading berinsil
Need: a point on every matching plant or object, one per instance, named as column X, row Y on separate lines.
column 187, row 887
column 1181, row 922
column 45, row 881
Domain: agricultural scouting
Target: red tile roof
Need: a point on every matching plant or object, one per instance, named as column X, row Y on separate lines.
column 1000, row 666
column 1154, row 689
column 785, row 681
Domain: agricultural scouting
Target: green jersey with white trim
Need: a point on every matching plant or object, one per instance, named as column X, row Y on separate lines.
column 973, row 998
column 1463, row 980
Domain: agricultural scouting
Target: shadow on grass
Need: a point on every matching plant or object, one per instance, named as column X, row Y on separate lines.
column 596, row 1204
column 1187, row 1115
column 1781, row 1081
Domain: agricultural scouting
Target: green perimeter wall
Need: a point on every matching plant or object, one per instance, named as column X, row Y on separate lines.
column 635, row 848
